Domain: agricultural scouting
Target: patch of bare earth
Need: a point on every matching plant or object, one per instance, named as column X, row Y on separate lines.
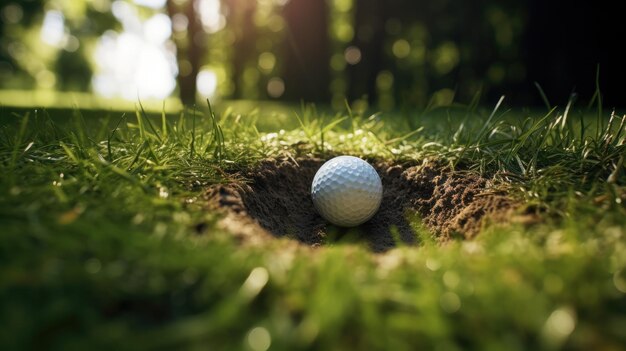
column 275, row 201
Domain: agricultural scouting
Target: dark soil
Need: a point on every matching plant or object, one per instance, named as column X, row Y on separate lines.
column 275, row 199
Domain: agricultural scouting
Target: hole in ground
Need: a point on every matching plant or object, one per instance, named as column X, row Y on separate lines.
column 275, row 198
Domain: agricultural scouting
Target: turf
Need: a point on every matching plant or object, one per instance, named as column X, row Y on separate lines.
column 107, row 243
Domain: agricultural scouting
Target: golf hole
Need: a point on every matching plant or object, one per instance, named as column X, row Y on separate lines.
column 274, row 198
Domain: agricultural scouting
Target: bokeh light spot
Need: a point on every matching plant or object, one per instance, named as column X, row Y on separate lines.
column 12, row 13
column 451, row 279
column 155, row 4
column 352, row 54
column 101, row 5
column 344, row 31
column 158, row 28
column 401, row 48
column 276, row 24
column 267, row 61
column 418, row 53
column 93, row 265
column 432, row 264
column 206, row 83
column 443, row 97
column 122, row 10
column 559, row 325
column 180, row 22
column 275, row 87
column 256, row 281
column 210, row 15
column 71, row 44
column 619, row 279
column 131, row 66
column 343, row 5
column 259, row 339
column 446, row 57
column 384, row 80
column 53, row 28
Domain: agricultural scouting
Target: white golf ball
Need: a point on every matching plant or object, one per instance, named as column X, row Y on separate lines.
column 347, row 191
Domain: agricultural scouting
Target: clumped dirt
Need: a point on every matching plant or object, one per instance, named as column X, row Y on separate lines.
column 275, row 200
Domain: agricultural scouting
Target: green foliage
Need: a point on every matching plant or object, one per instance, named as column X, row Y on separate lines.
column 107, row 243
column 28, row 62
column 418, row 48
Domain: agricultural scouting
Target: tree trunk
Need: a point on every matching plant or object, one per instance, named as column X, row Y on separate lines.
column 244, row 48
column 306, row 51
column 370, row 16
column 188, row 50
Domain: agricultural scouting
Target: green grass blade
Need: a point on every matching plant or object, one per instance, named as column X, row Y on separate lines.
column 543, row 95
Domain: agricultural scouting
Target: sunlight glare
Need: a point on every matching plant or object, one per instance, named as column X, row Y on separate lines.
column 138, row 62
column 53, row 28
column 155, row 4
column 210, row 15
column 206, row 82
column 158, row 29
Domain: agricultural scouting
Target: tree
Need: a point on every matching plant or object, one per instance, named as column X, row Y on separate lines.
column 306, row 51
column 187, row 50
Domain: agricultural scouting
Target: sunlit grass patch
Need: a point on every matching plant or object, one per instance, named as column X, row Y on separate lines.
column 107, row 238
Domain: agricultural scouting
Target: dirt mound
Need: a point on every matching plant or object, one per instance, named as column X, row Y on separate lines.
column 276, row 199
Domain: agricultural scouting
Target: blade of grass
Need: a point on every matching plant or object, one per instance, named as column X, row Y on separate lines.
column 192, row 145
column 110, row 137
column 147, row 120
column 599, row 123
column 543, row 96
column 163, row 121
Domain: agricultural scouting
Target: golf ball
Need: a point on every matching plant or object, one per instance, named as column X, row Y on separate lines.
column 346, row 191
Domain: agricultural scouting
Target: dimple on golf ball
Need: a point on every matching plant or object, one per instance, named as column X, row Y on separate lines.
column 347, row 191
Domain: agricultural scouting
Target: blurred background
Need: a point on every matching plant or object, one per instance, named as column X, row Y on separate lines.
column 381, row 54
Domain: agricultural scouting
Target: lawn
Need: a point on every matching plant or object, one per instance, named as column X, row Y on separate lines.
column 110, row 238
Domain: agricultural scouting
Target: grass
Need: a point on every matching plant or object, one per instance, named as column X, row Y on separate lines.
column 106, row 242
